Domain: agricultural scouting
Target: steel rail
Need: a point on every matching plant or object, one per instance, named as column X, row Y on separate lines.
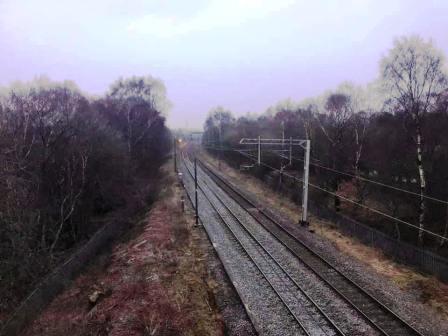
column 302, row 327
column 257, row 241
column 408, row 328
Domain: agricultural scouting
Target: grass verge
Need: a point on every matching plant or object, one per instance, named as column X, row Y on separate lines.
column 153, row 282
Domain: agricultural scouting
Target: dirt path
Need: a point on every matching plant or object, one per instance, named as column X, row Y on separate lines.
column 161, row 279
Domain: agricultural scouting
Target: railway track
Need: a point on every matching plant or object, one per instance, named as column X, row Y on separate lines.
column 262, row 303
column 306, row 313
column 374, row 312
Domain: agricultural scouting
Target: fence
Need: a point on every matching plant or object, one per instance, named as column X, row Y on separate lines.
column 56, row 281
column 403, row 252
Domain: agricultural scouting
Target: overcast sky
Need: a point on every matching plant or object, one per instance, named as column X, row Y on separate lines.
column 243, row 54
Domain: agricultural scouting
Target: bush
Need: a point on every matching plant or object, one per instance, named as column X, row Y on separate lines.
column 65, row 159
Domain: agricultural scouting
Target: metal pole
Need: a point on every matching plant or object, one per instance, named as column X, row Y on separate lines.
column 283, row 133
column 304, row 220
column 290, row 151
column 259, row 150
column 220, row 146
column 175, row 156
column 196, row 191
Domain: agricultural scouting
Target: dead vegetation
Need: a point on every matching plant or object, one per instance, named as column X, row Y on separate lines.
column 154, row 282
column 68, row 163
column 428, row 289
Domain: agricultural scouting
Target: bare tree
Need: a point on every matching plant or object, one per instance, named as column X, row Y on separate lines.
column 218, row 120
column 413, row 74
column 334, row 124
column 61, row 163
column 360, row 122
column 139, row 106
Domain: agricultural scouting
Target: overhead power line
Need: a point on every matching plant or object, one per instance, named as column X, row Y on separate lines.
column 344, row 198
column 368, row 180
column 268, row 166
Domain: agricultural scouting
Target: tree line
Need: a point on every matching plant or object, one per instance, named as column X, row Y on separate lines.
column 391, row 131
column 66, row 159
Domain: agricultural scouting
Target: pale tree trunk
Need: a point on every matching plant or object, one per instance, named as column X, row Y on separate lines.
column 359, row 138
column 359, row 146
column 397, row 230
column 445, row 231
column 71, row 200
column 421, row 173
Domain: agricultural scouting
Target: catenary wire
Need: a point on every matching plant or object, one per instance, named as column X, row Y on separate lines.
column 342, row 197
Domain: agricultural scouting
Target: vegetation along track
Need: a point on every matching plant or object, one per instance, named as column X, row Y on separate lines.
column 309, row 317
column 377, row 314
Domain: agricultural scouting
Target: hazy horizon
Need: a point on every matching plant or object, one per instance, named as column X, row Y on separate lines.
column 245, row 55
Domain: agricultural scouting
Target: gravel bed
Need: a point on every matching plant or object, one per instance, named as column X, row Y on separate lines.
column 404, row 303
column 343, row 315
column 301, row 307
column 225, row 297
column 223, row 294
column 268, row 314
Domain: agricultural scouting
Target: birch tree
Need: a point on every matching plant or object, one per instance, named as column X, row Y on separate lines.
column 413, row 75
column 140, row 104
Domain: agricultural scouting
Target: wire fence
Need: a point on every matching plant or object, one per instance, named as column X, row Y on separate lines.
column 60, row 278
column 400, row 251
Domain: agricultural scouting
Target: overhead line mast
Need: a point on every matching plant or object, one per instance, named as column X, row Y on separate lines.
column 306, row 145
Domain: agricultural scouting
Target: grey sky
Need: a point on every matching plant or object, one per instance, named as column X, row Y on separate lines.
column 243, row 54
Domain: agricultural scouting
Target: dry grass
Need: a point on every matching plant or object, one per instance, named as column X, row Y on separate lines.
column 258, row 188
column 431, row 291
column 154, row 282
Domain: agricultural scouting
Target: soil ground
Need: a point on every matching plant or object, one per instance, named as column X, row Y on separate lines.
column 428, row 290
column 162, row 278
